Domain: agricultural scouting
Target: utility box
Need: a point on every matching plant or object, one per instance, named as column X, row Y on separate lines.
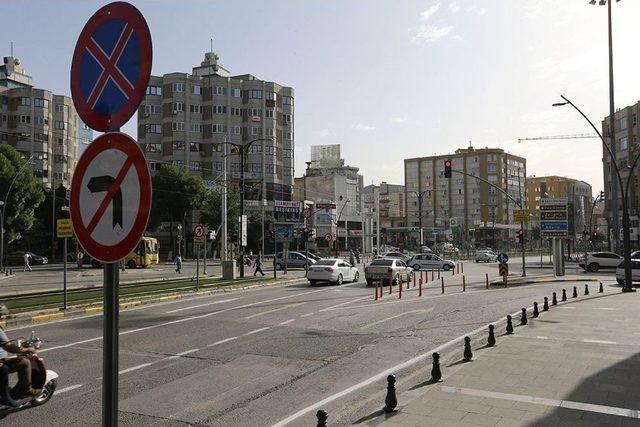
column 229, row 270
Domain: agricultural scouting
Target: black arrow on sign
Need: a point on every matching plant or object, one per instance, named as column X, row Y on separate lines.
column 99, row 184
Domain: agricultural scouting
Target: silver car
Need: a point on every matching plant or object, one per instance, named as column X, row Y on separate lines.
column 383, row 269
column 294, row 260
column 429, row 261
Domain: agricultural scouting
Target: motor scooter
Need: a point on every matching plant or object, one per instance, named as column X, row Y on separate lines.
column 41, row 378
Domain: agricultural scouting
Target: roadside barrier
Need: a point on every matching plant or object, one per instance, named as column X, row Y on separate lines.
column 523, row 317
column 436, row 374
column 468, row 355
column 464, row 284
column 381, row 288
column 408, row 281
column 586, row 289
column 536, row 313
column 453, row 271
column 486, row 278
column 545, row 305
column 564, row 295
column 322, row 416
column 492, row 338
column 462, row 267
column 554, row 299
column 376, row 289
column 390, row 401
column 438, row 274
column 400, row 288
column 420, row 288
column 390, row 284
column 457, row 268
column 575, row 292
column 601, row 290
column 509, row 325
column 442, row 284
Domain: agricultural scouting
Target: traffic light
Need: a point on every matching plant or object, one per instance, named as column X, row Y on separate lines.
column 521, row 236
column 602, row 195
column 447, row 168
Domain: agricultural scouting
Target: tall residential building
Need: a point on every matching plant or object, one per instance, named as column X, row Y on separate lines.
column 626, row 143
column 392, row 206
column 578, row 193
column 335, row 190
column 472, row 210
column 39, row 123
column 185, row 120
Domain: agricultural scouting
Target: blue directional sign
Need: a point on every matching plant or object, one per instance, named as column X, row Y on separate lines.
column 503, row 258
column 111, row 66
column 554, row 226
column 284, row 233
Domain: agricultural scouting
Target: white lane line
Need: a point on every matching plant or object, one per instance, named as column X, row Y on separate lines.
column 542, row 337
column 569, row 307
column 394, row 369
column 274, row 310
column 308, row 314
column 286, row 322
column 345, row 303
column 377, row 322
column 201, row 305
column 587, row 407
column 586, row 340
column 186, row 319
column 255, row 331
column 599, row 342
column 135, row 368
column 66, row 389
column 182, row 353
column 222, row 341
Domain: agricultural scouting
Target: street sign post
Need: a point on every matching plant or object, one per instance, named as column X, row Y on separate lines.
column 521, row 215
column 503, row 258
column 111, row 66
column 64, row 228
column 306, row 213
column 328, row 237
column 554, row 217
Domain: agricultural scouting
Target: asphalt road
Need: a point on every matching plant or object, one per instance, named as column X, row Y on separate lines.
column 258, row 357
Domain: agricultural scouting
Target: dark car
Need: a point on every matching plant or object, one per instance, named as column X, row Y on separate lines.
column 17, row 258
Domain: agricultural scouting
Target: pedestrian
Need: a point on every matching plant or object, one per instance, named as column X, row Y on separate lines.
column 357, row 252
column 352, row 258
column 258, row 266
column 178, row 263
column 79, row 258
column 27, row 260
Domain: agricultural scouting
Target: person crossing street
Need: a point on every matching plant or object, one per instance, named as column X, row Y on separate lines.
column 258, row 266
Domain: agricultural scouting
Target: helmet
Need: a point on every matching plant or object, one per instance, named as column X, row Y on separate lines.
column 4, row 311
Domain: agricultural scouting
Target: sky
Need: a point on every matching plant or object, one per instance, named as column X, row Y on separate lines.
column 387, row 79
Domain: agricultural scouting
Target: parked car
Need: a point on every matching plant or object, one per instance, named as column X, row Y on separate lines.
column 429, row 261
column 332, row 270
column 17, row 258
column 425, row 250
column 385, row 268
column 294, row 260
column 635, row 272
column 483, row 255
column 594, row 261
column 395, row 254
column 314, row 256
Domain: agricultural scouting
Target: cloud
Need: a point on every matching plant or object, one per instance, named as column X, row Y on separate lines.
column 324, row 132
column 399, row 119
column 362, row 127
column 424, row 16
column 431, row 33
column 454, row 7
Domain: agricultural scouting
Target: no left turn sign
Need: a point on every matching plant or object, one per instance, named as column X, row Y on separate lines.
column 110, row 197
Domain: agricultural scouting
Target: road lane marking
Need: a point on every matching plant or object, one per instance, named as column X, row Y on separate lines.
column 182, row 353
column 255, row 331
column 202, row 305
column 377, row 322
column 186, row 319
column 345, row 303
column 307, row 315
column 273, row 310
column 135, row 368
column 222, row 341
column 563, row 339
column 599, row 342
column 66, row 389
column 286, row 322
column 587, row 407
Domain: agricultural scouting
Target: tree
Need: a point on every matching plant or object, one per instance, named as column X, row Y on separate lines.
column 254, row 231
column 211, row 213
column 25, row 196
column 38, row 238
column 175, row 194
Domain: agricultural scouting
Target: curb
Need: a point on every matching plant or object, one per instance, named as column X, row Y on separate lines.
column 43, row 316
column 517, row 282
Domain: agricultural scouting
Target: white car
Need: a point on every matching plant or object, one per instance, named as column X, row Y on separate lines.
column 635, row 272
column 594, row 261
column 383, row 269
column 483, row 255
column 332, row 270
column 429, row 261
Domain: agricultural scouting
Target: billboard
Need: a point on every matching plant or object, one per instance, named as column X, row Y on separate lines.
column 554, row 217
column 285, row 211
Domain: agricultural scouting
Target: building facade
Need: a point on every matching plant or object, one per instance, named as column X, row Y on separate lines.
column 187, row 119
column 41, row 124
column 462, row 208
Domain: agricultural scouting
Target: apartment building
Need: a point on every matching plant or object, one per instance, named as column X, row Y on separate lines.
column 39, row 123
column 186, row 120
column 465, row 209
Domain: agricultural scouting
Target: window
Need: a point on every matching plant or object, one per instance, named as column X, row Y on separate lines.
column 270, row 150
column 24, row 119
column 41, row 121
column 153, row 148
column 286, row 118
column 219, row 128
column 178, row 87
column 60, row 125
column 196, row 89
column 178, row 106
column 492, row 168
column 61, row 108
column 268, row 131
column 178, row 145
column 236, row 130
column 288, row 136
column 40, row 102
column 154, row 166
column 235, row 92
column 623, row 144
column 254, row 131
column 152, row 109
column 287, row 153
column 194, row 147
column 255, row 94
column 194, row 166
column 271, row 96
column 268, row 114
column 177, row 126
column 195, row 108
column 219, row 109
column 195, row 127
column 153, row 128
column 623, row 123
column 236, row 111
column 287, row 100
column 154, row 90
column 269, row 169
column 219, row 90
column 24, row 101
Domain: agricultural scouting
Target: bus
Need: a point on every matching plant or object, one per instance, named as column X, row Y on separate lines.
column 145, row 254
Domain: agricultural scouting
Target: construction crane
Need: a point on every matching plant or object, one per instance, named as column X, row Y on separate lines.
column 573, row 136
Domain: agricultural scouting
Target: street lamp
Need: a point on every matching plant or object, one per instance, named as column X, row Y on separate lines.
column 420, row 195
column 624, row 191
column 179, row 238
column 347, row 225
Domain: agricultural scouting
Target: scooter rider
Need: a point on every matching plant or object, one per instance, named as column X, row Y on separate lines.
column 18, row 364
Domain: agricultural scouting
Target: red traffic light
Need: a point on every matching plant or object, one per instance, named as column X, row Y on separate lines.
column 447, row 163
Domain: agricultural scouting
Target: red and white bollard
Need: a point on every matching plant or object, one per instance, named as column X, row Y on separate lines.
column 420, row 288
column 462, row 267
column 379, row 284
column 464, row 284
column 486, row 276
column 453, row 271
column 438, row 273
column 505, row 279
column 376, row 289
column 458, row 268
column 433, row 275
column 442, row 284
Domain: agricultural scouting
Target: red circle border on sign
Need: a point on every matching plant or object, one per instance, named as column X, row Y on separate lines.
column 124, row 143
column 129, row 13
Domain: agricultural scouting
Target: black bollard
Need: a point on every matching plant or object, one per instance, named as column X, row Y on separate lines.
column 586, row 289
column 467, row 349
column 564, row 295
column 554, row 299
column 509, row 325
column 601, row 290
column 536, row 313
column 390, row 402
column 436, row 375
column 322, row 416
column 545, row 305
column 523, row 317
column 492, row 338
column 575, row 292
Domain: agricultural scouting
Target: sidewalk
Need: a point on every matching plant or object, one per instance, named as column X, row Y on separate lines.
column 576, row 365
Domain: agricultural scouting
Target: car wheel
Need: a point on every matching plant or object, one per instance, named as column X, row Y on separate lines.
column 356, row 277
column 593, row 267
column 477, row 261
column 312, row 282
column 369, row 282
column 131, row 264
column 416, row 267
column 278, row 266
column 446, row 267
column 620, row 281
column 339, row 282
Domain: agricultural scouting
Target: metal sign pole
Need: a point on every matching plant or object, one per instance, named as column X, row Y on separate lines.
column 110, row 351
column 204, row 263
column 198, row 268
column 64, row 276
